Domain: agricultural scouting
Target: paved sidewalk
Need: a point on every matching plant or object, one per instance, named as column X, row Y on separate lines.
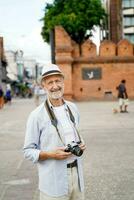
column 108, row 160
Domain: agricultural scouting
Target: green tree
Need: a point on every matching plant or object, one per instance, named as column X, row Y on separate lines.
column 78, row 17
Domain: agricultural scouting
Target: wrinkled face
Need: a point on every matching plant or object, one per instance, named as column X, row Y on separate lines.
column 54, row 85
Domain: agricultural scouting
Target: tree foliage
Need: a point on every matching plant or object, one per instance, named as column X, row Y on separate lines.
column 78, row 17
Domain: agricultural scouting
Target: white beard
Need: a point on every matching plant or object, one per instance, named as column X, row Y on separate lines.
column 56, row 95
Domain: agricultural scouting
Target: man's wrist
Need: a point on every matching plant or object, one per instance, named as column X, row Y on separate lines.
column 46, row 155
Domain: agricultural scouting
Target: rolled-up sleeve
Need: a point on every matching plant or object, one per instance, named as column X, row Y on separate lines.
column 31, row 145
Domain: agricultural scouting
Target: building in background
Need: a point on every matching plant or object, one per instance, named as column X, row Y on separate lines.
column 12, row 72
column 19, row 68
column 29, row 69
column 3, row 65
column 18, row 72
column 128, row 19
column 22, row 73
column 120, row 19
column 104, row 29
column 115, row 27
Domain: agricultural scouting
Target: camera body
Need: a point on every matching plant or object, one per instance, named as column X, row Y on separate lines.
column 74, row 148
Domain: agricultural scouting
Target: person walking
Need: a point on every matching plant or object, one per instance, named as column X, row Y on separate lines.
column 37, row 93
column 123, row 96
column 53, row 141
column 1, row 98
column 8, row 96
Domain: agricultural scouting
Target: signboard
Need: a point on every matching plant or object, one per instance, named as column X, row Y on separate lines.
column 91, row 73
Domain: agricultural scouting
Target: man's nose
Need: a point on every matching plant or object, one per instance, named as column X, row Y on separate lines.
column 55, row 85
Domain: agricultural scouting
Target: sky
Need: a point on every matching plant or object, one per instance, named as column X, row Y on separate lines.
column 20, row 26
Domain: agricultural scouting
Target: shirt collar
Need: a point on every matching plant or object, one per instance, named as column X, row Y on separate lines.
column 52, row 107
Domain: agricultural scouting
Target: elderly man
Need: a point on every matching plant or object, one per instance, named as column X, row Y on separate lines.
column 54, row 143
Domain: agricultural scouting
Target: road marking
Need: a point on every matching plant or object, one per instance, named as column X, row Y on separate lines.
column 18, row 182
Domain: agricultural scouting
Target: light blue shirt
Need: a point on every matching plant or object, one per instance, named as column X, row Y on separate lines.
column 41, row 135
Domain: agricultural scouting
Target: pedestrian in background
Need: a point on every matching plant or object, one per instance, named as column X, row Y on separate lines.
column 1, row 98
column 123, row 96
column 54, row 143
column 37, row 93
column 8, row 96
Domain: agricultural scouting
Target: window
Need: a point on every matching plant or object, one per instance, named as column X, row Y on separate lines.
column 128, row 3
column 130, row 37
column 128, row 21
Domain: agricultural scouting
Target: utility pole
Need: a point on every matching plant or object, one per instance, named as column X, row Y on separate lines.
column 36, row 72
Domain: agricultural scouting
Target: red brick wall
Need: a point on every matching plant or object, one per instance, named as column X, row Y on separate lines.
column 111, row 76
column 116, row 62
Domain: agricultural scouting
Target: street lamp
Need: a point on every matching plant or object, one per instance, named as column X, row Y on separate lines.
column 20, row 64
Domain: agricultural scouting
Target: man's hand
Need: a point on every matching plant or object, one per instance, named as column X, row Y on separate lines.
column 82, row 146
column 58, row 154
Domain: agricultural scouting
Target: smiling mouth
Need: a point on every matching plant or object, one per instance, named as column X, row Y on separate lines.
column 59, row 90
column 56, row 92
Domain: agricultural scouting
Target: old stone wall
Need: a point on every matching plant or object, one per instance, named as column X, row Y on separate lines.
column 91, row 76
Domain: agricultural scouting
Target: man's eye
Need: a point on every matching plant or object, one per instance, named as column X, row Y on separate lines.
column 50, row 83
column 58, row 81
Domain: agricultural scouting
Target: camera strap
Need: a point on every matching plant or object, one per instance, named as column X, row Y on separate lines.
column 55, row 122
column 53, row 119
column 73, row 120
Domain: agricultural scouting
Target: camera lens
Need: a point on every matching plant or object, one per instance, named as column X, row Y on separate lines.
column 77, row 151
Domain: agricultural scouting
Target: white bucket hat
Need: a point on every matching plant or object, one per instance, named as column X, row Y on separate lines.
column 49, row 70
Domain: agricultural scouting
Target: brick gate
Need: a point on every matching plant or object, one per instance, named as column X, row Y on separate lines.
column 91, row 75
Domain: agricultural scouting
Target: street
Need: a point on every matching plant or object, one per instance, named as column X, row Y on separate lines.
column 108, row 159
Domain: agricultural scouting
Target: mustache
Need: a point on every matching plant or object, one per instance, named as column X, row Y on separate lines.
column 56, row 90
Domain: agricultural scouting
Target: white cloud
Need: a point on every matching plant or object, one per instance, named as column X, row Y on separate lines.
column 20, row 27
column 33, row 44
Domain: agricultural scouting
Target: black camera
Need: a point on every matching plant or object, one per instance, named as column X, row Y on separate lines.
column 74, row 148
